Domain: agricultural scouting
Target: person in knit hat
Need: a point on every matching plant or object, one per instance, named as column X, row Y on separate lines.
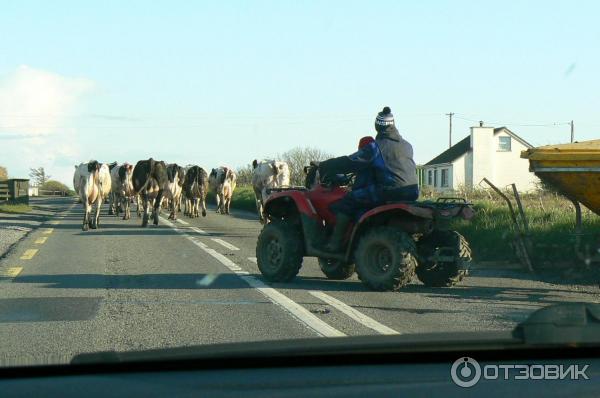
column 388, row 160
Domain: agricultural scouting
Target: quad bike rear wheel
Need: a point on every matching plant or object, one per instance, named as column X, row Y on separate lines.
column 385, row 258
column 336, row 269
column 443, row 273
column 279, row 251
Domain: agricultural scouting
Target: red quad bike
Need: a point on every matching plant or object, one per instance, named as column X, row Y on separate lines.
column 386, row 246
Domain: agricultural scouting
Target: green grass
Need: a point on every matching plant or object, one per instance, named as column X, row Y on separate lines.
column 551, row 224
column 15, row 208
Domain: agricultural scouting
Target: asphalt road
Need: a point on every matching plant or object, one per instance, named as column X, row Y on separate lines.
column 194, row 281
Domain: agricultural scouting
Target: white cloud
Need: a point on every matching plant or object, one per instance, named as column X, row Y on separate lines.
column 35, row 106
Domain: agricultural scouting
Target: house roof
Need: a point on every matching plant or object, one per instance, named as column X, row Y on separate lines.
column 463, row 146
column 452, row 153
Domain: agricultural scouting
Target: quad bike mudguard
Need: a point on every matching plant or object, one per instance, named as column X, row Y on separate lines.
column 312, row 210
column 278, row 201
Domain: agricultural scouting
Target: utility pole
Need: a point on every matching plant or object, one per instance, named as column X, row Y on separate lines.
column 572, row 131
column 450, row 131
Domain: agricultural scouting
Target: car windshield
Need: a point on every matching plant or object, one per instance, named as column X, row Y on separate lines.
column 178, row 174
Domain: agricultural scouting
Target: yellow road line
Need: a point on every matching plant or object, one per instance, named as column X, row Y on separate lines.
column 47, row 231
column 29, row 253
column 41, row 240
column 10, row 272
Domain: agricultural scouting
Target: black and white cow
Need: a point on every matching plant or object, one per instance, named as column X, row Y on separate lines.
column 150, row 181
column 176, row 176
column 111, row 196
column 122, row 189
column 195, row 188
column 93, row 185
column 222, row 181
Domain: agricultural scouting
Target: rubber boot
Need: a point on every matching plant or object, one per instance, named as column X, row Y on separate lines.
column 339, row 231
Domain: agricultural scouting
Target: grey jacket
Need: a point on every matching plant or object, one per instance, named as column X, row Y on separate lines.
column 398, row 156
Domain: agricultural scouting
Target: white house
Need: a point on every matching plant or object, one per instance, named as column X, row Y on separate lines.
column 488, row 152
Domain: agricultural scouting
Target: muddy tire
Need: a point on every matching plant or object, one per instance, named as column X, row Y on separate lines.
column 279, row 251
column 385, row 259
column 443, row 274
column 336, row 269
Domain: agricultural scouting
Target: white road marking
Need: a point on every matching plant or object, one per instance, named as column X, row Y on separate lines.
column 224, row 244
column 296, row 310
column 299, row 312
column 180, row 221
column 354, row 314
column 252, row 259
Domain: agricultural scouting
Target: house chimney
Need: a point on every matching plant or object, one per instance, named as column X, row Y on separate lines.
column 482, row 147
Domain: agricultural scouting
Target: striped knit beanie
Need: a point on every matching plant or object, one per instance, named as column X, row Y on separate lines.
column 385, row 117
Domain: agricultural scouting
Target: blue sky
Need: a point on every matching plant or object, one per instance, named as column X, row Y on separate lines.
column 212, row 83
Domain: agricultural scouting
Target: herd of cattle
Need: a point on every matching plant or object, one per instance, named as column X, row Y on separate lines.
column 153, row 184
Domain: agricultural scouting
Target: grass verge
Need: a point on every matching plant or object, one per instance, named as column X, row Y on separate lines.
column 15, row 208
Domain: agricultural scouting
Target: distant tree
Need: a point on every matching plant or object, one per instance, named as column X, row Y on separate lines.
column 3, row 173
column 299, row 157
column 53, row 185
column 39, row 176
column 244, row 175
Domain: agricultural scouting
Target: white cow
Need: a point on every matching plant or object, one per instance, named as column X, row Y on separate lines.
column 93, row 186
column 222, row 181
column 268, row 174
column 122, row 188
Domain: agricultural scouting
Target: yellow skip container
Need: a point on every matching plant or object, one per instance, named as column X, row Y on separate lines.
column 573, row 169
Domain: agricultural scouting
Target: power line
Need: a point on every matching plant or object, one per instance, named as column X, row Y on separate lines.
column 518, row 124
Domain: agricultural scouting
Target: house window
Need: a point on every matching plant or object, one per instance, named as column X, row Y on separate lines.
column 504, row 144
column 435, row 178
column 444, row 178
column 430, row 177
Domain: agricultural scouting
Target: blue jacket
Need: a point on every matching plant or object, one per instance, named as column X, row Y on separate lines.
column 366, row 164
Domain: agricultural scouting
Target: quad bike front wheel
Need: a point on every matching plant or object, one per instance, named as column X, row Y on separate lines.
column 336, row 269
column 385, row 258
column 439, row 273
column 279, row 251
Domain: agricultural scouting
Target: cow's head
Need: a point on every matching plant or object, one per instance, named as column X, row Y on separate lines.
column 254, row 164
column 93, row 166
